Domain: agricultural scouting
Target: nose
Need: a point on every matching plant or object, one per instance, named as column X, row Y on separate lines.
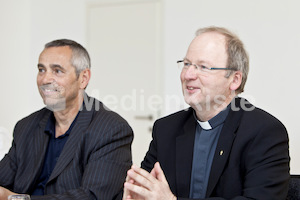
column 190, row 73
column 46, row 78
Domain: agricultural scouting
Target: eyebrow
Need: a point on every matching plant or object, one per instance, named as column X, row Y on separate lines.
column 200, row 62
column 56, row 66
column 40, row 65
column 52, row 66
column 186, row 59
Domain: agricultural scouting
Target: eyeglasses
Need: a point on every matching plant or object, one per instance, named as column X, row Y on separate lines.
column 184, row 65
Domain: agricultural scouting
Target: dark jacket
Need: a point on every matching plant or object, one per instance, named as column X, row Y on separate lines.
column 92, row 164
column 254, row 163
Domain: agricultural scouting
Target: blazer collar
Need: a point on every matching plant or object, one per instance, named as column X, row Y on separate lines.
column 40, row 140
column 224, row 145
column 185, row 148
column 184, row 155
column 40, row 144
column 79, row 129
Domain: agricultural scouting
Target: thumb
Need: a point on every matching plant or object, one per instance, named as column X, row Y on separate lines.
column 159, row 173
column 153, row 173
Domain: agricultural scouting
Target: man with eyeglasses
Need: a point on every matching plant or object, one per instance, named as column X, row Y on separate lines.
column 222, row 147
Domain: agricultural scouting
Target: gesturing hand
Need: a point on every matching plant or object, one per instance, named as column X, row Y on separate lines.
column 148, row 186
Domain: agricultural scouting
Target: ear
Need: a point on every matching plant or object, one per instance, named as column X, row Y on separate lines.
column 236, row 80
column 84, row 77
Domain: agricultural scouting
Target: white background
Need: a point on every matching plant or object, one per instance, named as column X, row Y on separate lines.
column 269, row 29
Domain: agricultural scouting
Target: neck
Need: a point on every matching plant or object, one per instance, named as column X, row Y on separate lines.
column 64, row 118
column 207, row 112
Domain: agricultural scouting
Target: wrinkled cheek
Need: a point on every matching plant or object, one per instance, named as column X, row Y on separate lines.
column 61, row 92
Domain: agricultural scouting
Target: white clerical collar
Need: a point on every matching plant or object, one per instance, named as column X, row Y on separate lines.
column 205, row 125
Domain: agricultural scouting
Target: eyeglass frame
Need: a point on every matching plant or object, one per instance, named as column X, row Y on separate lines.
column 204, row 67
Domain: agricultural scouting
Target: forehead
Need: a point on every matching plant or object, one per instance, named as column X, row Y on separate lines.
column 213, row 38
column 56, row 54
column 209, row 45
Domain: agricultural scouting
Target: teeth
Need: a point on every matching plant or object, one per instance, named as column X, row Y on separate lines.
column 50, row 90
column 190, row 88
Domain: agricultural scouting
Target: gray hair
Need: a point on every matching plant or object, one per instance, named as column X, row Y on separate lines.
column 80, row 57
column 238, row 58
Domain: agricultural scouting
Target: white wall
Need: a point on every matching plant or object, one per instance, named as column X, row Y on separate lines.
column 14, row 62
column 26, row 25
column 270, row 30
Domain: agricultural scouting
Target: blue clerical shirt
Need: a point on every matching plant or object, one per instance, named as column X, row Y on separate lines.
column 54, row 149
column 206, row 139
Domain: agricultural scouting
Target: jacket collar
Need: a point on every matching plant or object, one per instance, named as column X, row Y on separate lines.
column 41, row 140
column 185, row 147
column 224, row 145
column 80, row 127
column 184, row 155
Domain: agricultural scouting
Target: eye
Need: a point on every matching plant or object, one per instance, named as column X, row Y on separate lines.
column 203, row 68
column 57, row 71
column 186, row 64
column 41, row 70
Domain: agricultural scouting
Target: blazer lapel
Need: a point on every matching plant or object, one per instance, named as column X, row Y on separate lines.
column 184, row 157
column 40, row 144
column 75, row 136
column 223, row 148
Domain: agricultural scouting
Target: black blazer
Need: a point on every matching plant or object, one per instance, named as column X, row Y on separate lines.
column 254, row 163
column 92, row 164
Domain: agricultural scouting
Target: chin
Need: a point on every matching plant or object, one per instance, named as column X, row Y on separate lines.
column 196, row 104
column 55, row 104
column 191, row 100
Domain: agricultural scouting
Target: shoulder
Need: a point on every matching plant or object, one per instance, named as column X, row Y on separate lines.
column 103, row 126
column 29, row 124
column 108, row 115
column 102, row 117
column 258, row 121
column 264, row 123
column 177, row 118
column 173, row 125
column 34, row 117
column 261, row 117
column 253, row 113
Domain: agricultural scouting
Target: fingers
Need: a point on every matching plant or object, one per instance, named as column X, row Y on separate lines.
column 126, row 194
column 137, row 192
column 159, row 173
column 141, row 176
column 140, row 183
column 147, row 186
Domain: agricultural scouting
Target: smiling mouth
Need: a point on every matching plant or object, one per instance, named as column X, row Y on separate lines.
column 49, row 90
column 50, row 93
column 192, row 88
